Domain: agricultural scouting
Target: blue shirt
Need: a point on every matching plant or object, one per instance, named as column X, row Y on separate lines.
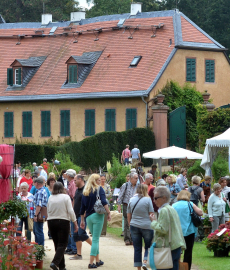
column 174, row 188
column 135, row 153
column 40, row 198
column 34, row 191
column 87, row 202
column 183, row 212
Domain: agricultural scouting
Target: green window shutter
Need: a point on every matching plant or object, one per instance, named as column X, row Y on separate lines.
column 131, row 118
column 45, row 123
column 19, row 76
column 10, row 80
column 209, row 70
column 9, row 124
column 73, row 74
column 190, row 70
column 65, row 123
column 89, row 122
column 110, row 115
column 27, row 124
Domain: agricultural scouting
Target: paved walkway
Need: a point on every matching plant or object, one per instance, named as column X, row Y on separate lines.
column 113, row 252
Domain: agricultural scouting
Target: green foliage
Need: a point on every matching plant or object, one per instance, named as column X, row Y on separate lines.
column 40, row 252
column 31, row 10
column 212, row 123
column 13, row 208
column 26, row 153
column 177, row 96
column 29, row 153
column 66, row 164
column 195, row 169
column 96, row 150
column 219, row 167
column 118, row 172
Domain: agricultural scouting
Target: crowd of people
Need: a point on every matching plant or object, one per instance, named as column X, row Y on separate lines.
column 154, row 210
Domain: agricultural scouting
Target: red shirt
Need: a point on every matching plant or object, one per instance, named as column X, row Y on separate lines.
column 45, row 166
column 151, row 195
column 28, row 181
column 149, row 186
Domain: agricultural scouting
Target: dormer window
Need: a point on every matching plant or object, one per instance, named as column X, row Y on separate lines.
column 72, row 76
column 79, row 67
column 17, row 76
column 22, row 71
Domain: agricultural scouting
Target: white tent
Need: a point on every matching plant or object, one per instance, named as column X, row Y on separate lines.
column 172, row 152
column 213, row 145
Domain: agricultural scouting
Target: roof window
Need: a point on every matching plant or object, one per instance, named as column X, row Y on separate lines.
column 135, row 61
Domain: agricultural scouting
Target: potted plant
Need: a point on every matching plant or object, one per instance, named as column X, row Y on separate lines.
column 40, row 253
column 207, row 226
column 219, row 244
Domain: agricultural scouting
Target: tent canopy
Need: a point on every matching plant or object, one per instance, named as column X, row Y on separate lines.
column 172, row 152
column 213, row 145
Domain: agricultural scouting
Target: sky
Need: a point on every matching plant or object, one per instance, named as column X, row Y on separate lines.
column 83, row 3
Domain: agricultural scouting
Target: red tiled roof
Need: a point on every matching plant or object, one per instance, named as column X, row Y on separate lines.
column 111, row 73
column 191, row 34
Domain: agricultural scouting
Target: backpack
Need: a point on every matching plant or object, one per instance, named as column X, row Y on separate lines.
column 194, row 196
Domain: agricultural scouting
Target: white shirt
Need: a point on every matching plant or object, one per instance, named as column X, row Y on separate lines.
column 44, row 174
column 65, row 181
column 162, row 207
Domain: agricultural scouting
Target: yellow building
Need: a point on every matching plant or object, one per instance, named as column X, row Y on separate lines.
column 86, row 76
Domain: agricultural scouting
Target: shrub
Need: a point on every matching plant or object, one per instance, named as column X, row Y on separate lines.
column 26, row 153
column 219, row 167
column 96, row 150
column 66, row 164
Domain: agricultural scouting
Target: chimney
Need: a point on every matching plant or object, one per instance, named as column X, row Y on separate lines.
column 77, row 16
column 135, row 8
column 46, row 19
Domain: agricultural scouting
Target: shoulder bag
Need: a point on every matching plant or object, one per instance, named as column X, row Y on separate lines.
column 163, row 255
column 196, row 220
column 98, row 206
column 227, row 208
column 136, row 204
column 42, row 215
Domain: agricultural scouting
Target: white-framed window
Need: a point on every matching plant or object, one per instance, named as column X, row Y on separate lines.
column 17, row 76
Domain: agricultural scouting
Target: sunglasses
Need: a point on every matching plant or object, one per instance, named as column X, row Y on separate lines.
column 156, row 198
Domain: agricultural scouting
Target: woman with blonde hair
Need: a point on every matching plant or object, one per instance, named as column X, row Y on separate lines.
column 173, row 187
column 197, row 193
column 94, row 220
column 184, row 207
column 138, row 211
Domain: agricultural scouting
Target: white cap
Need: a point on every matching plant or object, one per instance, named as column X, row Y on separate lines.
column 133, row 170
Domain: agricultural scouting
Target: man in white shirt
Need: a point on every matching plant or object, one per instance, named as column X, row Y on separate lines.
column 42, row 172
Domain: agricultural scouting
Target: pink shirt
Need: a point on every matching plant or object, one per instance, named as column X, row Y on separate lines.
column 126, row 153
column 72, row 189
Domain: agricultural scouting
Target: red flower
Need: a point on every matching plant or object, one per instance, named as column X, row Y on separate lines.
column 4, row 208
column 31, row 208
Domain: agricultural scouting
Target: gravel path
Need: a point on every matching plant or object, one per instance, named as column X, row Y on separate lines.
column 113, row 252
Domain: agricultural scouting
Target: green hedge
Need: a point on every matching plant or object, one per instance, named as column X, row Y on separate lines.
column 93, row 151
column 96, row 150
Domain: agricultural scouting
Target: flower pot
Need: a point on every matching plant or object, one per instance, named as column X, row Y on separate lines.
column 221, row 253
column 207, row 230
column 39, row 264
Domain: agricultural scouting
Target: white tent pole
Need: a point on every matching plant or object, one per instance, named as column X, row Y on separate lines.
column 160, row 167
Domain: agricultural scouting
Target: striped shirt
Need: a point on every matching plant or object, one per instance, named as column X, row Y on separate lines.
column 127, row 191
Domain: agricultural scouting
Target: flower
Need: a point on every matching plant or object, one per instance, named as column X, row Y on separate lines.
column 31, row 208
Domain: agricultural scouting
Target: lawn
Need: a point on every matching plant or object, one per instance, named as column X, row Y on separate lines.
column 202, row 258
column 205, row 260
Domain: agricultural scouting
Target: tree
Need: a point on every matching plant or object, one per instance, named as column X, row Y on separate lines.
column 31, row 10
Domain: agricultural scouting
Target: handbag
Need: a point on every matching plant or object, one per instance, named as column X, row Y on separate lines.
column 162, row 257
column 196, row 220
column 98, row 206
column 42, row 215
column 30, row 224
column 227, row 208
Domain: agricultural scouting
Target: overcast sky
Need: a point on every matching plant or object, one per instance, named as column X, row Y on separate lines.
column 83, row 3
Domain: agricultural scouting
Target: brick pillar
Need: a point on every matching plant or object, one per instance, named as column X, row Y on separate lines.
column 209, row 106
column 160, row 122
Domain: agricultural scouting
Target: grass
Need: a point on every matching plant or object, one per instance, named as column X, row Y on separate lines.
column 202, row 258
column 205, row 259
column 115, row 231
